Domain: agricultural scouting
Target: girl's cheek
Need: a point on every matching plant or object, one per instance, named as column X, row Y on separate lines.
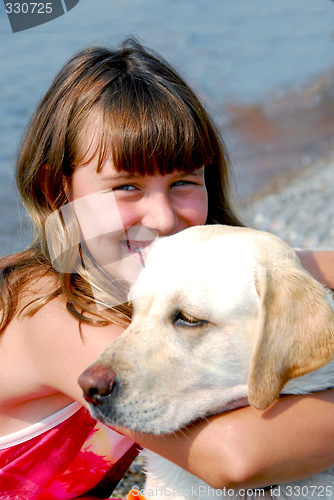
column 197, row 208
column 130, row 213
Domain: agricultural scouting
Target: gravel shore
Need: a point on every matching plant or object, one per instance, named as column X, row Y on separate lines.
column 302, row 213
column 133, row 477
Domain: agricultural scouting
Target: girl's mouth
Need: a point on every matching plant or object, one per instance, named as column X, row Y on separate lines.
column 138, row 246
column 138, row 239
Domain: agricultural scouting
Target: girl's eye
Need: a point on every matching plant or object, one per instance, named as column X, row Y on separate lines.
column 124, row 187
column 182, row 183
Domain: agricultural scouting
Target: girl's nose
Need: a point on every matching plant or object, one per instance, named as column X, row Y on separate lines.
column 160, row 215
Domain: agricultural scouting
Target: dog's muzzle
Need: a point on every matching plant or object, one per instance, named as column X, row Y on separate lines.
column 97, row 384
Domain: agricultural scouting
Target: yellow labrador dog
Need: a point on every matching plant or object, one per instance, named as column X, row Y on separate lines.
column 222, row 317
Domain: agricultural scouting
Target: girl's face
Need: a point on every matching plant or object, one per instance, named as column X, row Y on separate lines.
column 120, row 214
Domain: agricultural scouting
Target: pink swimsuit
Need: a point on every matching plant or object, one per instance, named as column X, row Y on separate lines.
column 62, row 457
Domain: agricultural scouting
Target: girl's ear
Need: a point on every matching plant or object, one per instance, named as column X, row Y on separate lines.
column 67, row 188
column 43, row 181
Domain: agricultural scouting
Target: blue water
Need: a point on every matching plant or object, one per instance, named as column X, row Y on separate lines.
column 227, row 49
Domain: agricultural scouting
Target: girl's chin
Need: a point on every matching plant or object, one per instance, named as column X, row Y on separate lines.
column 128, row 268
column 120, row 262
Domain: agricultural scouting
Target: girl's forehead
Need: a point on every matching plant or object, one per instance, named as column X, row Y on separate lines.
column 107, row 172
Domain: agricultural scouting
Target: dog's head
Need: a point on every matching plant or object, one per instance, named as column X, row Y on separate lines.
column 220, row 314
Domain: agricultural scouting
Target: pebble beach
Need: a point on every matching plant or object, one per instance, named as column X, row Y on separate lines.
column 302, row 211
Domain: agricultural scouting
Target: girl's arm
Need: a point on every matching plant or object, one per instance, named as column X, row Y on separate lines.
column 248, row 448
column 320, row 263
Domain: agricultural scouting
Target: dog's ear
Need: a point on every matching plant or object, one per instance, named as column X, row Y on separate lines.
column 295, row 329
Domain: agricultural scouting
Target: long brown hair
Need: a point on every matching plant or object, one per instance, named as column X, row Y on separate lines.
column 150, row 123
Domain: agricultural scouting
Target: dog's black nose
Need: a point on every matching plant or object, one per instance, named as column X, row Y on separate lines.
column 97, row 384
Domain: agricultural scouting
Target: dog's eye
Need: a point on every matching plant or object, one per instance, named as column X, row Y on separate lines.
column 183, row 319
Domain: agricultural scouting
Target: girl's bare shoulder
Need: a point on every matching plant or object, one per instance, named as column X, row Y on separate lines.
column 51, row 347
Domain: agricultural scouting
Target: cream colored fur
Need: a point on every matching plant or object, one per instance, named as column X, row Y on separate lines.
column 255, row 324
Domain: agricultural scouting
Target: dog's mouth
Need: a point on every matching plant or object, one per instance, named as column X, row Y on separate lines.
column 152, row 422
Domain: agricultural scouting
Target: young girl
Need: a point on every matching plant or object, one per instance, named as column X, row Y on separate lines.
column 120, row 135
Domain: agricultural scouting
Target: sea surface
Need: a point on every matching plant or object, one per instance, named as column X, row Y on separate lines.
column 237, row 54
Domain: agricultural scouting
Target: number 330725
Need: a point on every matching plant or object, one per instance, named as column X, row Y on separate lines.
column 25, row 8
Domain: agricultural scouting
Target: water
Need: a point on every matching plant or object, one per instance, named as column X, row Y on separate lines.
column 228, row 50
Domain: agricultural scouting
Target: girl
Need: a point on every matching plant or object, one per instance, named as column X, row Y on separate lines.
column 120, row 136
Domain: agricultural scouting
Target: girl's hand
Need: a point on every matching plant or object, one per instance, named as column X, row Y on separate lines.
column 319, row 263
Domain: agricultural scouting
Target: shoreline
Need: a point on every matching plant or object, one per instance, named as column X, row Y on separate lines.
column 282, row 181
column 272, row 142
column 300, row 210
